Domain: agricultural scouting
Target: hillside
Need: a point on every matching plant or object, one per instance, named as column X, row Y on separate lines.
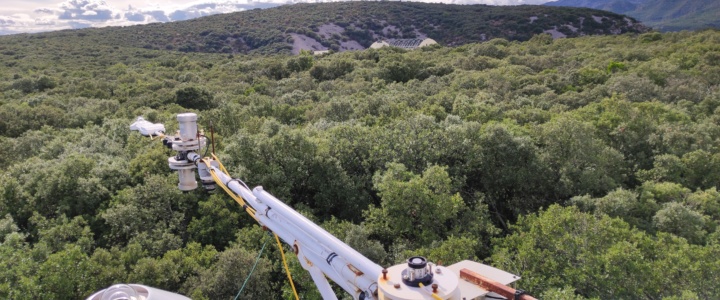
column 353, row 25
column 664, row 15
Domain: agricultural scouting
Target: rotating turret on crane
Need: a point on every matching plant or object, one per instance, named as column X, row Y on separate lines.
column 319, row 252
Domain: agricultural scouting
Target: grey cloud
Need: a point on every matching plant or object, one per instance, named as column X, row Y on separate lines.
column 194, row 11
column 45, row 11
column 212, row 8
column 263, row 5
column 90, row 10
column 146, row 16
column 5, row 22
column 204, row 6
column 179, row 15
column 97, row 13
column 158, row 15
column 135, row 16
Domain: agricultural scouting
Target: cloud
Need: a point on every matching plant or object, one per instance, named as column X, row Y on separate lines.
column 207, row 9
column 46, row 22
column 90, row 10
column 154, row 14
column 157, row 16
column 6, row 22
column 19, row 23
column 47, row 11
column 134, row 16
column 10, row 22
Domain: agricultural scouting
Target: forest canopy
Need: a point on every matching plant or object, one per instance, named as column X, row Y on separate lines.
column 588, row 166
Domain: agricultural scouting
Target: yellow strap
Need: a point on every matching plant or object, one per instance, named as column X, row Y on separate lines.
column 287, row 269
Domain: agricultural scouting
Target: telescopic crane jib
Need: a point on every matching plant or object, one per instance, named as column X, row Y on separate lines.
column 319, row 252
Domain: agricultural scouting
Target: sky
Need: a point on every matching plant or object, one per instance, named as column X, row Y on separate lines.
column 19, row 16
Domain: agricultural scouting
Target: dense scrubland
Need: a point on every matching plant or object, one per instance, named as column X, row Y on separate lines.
column 588, row 166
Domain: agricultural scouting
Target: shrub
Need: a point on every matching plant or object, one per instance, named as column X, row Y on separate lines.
column 194, row 98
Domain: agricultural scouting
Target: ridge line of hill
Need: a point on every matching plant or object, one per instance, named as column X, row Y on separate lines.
column 344, row 26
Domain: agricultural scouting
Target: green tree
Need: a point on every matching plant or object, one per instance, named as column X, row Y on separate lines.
column 417, row 208
column 707, row 202
column 580, row 162
column 176, row 270
column 621, row 203
column 45, row 83
column 194, row 98
column 449, row 251
column 19, row 272
column 217, row 222
column 224, row 278
column 666, row 167
column 597, row 255
column 400, row 68
column 679, row 219
column 64, row 275
column 506, row 167
column 663, row 192
column 302, row 62
column 52, row 187
column 331, row 70
column 358, row 238
column 7, row 226
column 154, row 214
column 702, row 169
column 56, row 233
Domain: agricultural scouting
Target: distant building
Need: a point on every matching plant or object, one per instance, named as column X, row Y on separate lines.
column 404, row 43
column 380, row 44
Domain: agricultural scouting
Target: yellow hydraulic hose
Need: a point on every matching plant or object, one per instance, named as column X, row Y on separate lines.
column 222, row 168
column 287, row 269
column 227, row 190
